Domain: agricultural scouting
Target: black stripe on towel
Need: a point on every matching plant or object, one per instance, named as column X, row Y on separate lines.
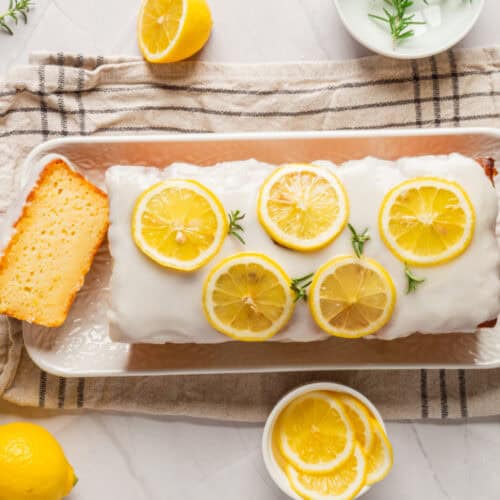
column 42, row 390
column 462, row 391
column 80, row 393
column 444, row 393
column 61, row 392
column 436, row 92
column 455, row 87
column 424, row 396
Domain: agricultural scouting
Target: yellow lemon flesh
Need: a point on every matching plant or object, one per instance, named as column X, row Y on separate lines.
column 360, row 419
column 303, row 207
column 344, row 483
column 351, row 297
column 173, row 30
column 247, row 297
column 314, row 433
column 32, row 464
column 180, row 224
column 380, row 458
column 427, row 221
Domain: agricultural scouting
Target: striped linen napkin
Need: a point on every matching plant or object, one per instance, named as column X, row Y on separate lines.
column 61, row 95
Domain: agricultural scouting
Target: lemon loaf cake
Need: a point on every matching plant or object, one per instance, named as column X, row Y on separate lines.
column 151, row 303
column 50, row 245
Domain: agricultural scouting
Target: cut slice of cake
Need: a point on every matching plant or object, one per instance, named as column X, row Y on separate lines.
column 62, row 223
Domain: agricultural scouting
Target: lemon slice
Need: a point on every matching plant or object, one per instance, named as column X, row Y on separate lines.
column 360, row 419
column 172, row 30
column 247, row 297
column 380, row 458
column 303, row 207
column 427, row 220
column 351, row 297
column 178, row 223
column 343, row 483
column 314, row 433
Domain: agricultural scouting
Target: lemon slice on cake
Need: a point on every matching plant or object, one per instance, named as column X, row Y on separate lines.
column 380, row 458
column 351, row 297
column 344, row 483
column 179, row 223
column 248, row 297
column 172, row 30
column 314, row 433
column 303, row 207
column 427, row 220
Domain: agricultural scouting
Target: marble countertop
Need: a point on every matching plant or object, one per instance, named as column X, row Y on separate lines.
column 147, row 458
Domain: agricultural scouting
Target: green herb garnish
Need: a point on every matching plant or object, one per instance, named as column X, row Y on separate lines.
column 299, row 286
column 358, row 240
column 398, row 19
column 413, row 281
column 17, row 9
column 235, row 228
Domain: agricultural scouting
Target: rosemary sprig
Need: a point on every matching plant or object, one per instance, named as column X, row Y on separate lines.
column 235, row 228
column 17, row 9
column 358, row 240
column 413, row 281
column 299, row 286
column 398, row 19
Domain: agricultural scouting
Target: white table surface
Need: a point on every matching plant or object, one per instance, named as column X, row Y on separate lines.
column 142, row 458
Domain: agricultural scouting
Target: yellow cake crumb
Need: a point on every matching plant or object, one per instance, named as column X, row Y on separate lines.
column 62, row 225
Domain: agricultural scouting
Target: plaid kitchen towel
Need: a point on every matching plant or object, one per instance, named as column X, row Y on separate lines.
column 60, row 95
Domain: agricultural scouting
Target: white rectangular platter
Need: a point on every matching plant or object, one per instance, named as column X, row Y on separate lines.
column 81, row 347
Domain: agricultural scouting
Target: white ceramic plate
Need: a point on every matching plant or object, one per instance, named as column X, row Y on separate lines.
column 446, row 23
column 81, row 347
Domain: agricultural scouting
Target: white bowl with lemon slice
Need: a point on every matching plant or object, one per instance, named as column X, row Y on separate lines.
column 301, row 455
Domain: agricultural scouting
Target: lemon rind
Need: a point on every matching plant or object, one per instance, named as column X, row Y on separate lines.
column 356, row 406
column 382, row 474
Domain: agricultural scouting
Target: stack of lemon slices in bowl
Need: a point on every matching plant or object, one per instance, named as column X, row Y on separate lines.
column 330, row 446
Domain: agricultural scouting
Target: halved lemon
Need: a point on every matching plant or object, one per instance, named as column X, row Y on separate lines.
column 172, row 30
column 303, row 207
column 351, row 297
column 247, row 297
column 427, row 220
column 380, row 458
column 179, row 223
column 344, row 483
column 360, row 419
column 314, row 433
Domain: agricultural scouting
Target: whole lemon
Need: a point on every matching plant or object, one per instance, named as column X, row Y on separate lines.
column 32, row 464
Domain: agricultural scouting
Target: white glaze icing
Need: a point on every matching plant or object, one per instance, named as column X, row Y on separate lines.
column 152, row 304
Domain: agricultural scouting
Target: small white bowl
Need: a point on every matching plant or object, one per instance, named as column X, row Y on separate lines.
column 447, row 22
column 275, row 471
